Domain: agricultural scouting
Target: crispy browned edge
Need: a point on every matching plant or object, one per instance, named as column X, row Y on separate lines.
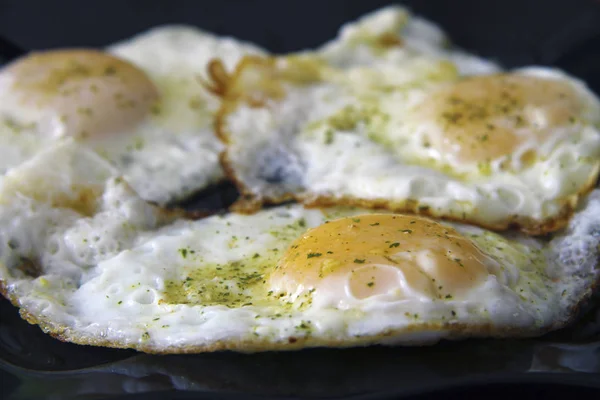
column 456, row 331
column 250, row 203
column 526, row 225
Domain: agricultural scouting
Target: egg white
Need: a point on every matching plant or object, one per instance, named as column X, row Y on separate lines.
column 352, row 136
column 119, row 272
column 356, row 43
column 176, row 153
column 172, row 151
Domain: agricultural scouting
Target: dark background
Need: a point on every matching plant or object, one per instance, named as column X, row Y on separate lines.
column 513, row 31
column 565, row 33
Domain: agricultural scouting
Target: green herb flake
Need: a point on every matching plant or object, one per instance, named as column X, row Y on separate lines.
column 311, row 255
column 329, row 136
column 359, row 261
column 303, row 325
column 395, row 244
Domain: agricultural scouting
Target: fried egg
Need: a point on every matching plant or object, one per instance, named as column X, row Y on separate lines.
column 122, row 273
column 411, row 130
column 141, row 105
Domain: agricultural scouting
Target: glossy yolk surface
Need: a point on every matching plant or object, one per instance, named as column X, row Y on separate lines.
column 90, row 92
column 483, row 118
column 383, row 253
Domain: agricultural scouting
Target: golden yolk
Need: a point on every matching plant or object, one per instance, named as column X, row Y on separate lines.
column 90, row 92
column 383, row 253
column 487, row 117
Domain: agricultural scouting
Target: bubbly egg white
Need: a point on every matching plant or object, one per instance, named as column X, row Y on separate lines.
column 115, row 271
column 361, row 132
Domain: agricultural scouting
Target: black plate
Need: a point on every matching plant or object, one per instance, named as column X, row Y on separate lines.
column 33, row 365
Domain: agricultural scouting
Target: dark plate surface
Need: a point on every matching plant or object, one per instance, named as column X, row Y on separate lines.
column 35, row 366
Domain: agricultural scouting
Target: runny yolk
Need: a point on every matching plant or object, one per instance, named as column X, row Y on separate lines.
column 483, row 118
column 381, row 254
column 86, row 92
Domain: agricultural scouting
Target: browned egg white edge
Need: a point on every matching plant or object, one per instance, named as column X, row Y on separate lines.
column 453, row 330
column 250, row 203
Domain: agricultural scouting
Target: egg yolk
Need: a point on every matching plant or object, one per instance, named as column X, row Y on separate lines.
column 483, row 118
column 376, row 254
column 85, row 92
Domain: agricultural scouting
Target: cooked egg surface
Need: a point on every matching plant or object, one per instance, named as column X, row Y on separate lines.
column 67, row 93
column 393, row 34
column 498, row 149
column 119, row 272
column 141, row 105
column 181, row 150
